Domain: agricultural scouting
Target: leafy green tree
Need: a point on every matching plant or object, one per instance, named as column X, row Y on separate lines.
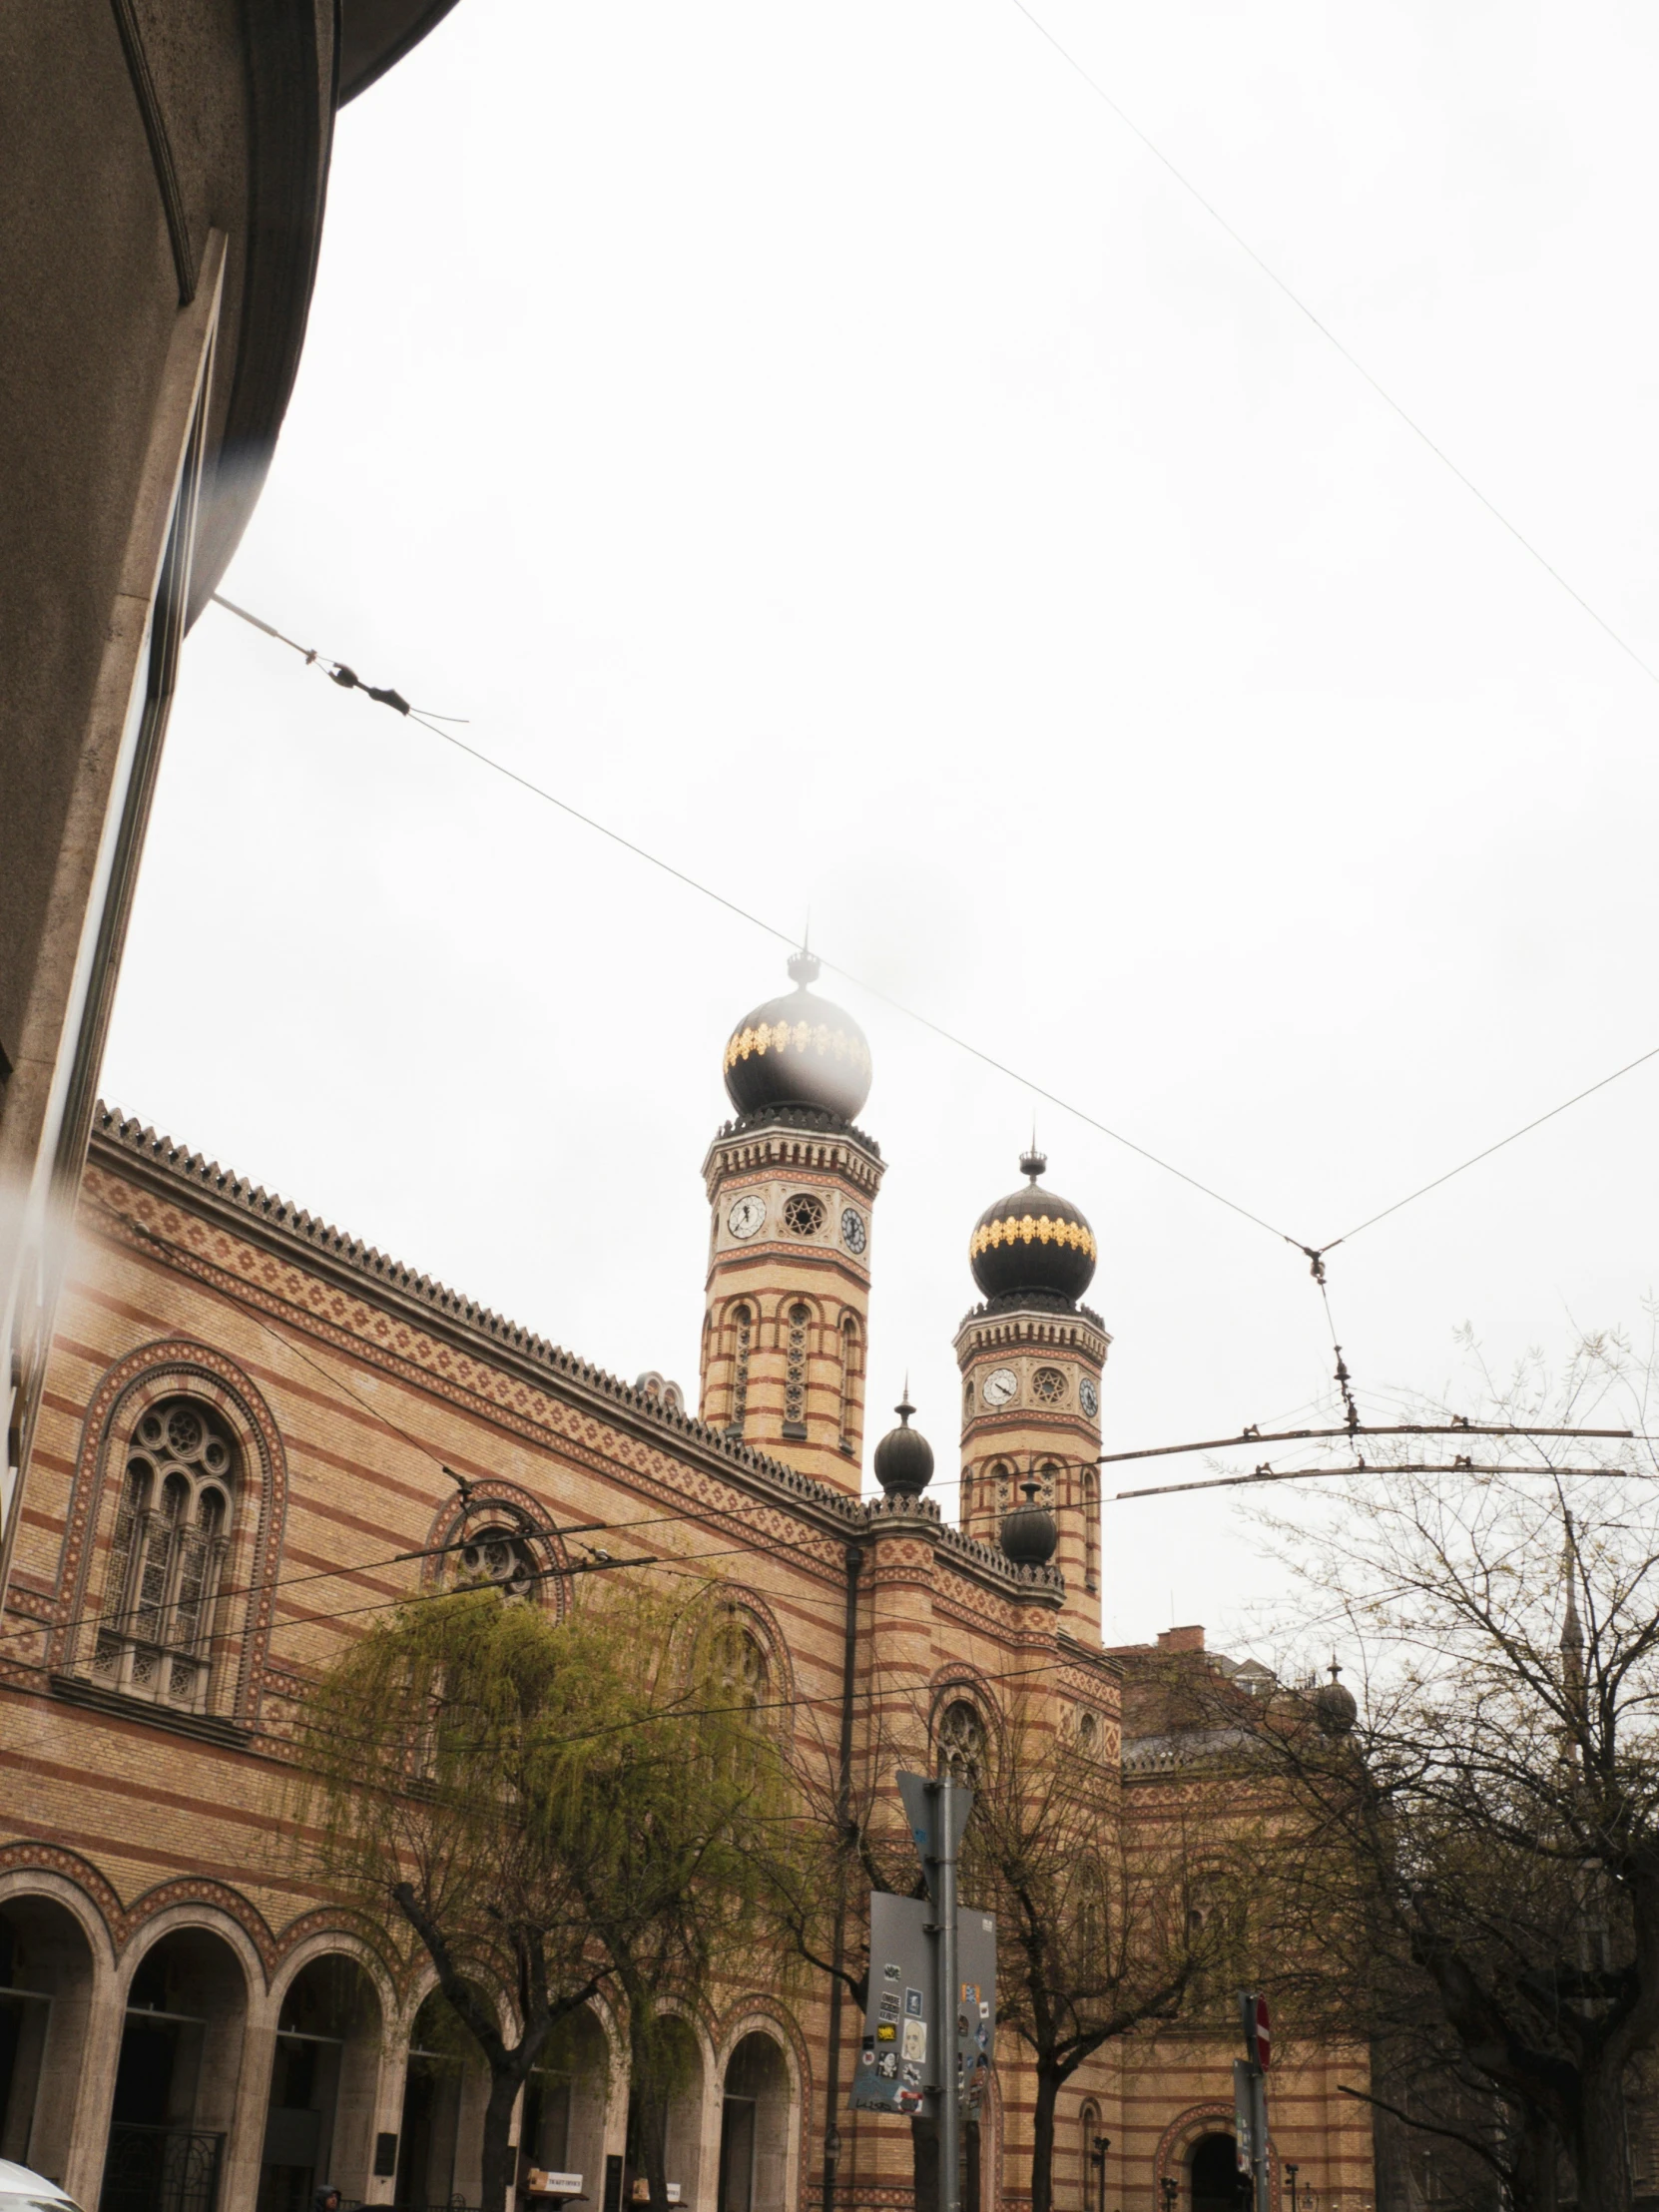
column 550, row 1808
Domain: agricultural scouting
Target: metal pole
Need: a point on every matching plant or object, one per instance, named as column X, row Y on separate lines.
column 950, row 2180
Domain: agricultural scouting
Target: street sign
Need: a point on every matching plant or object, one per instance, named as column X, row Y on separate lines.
column 894, row 2072
column 900, row 2054
column 1250, row 2097
column 1257, row 2029
column 921, row 1801
column 1244, row 2114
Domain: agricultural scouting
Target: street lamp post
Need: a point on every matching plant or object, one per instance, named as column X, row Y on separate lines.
column 1292, row 2172
column 1102, row 2144
column 1171, row 2191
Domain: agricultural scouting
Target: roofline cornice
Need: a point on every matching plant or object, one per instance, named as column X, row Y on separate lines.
column 138, row 1153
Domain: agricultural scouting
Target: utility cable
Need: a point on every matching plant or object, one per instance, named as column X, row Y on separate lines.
column 1325, row 330
column 1313, row 1253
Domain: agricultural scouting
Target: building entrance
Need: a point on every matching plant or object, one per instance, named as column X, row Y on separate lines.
column 1214, row 2175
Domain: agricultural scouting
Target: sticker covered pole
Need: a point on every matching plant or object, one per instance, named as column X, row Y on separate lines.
column 948, row 2063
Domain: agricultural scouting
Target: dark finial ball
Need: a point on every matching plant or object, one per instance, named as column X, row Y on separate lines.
column 903, row 1457
column 1031, row 1532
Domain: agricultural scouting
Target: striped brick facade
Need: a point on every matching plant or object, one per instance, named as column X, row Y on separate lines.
column 145, row 1877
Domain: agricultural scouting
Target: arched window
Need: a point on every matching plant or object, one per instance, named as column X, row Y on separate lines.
column 962, row 1742
column 964, row 1497
column 1091, row 2158
column 1048, row 1475
column 498, row 1556
column 743, row 1665
column 743, row 1340
column 172, row 1531
column 851, row 1368
column 1002, row 1486
column 1091, row 1529
column 795, row 1372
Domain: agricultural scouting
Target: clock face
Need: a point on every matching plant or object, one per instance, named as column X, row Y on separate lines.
column 747, row 1214
column 1088, row 1398
column 1000, row 1386
column 853, row 1233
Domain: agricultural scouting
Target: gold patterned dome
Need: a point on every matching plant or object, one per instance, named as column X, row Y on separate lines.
column 797, row 1051
column 1032, row 1241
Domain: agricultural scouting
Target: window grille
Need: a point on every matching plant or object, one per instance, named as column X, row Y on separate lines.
column 167, row 1558
column 852, row 1349
column 794, row 1369
column 962, row 1742
column 1048, row 1386
column 803, row 1213
column 743, row 1337
column 498, row 1556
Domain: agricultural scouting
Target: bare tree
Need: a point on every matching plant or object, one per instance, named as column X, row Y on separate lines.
column 1482, row 1832
column 1110, row 1918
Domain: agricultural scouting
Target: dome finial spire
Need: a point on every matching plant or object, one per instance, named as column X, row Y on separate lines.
column 903, row 1459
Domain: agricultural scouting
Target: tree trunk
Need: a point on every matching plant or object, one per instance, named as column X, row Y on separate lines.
column 1603, row 2146
column 1042, row 2138
column 653, row 2126
column 497, row 2168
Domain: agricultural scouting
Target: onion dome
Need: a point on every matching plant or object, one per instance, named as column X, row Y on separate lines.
column 904, row 1458
column 1032, row 1241
column 1031, row 1532
column 797, row 1051
column 1334, row 1708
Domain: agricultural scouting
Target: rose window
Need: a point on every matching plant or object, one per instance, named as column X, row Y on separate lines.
column 803, row 1213
column 1048, row 1386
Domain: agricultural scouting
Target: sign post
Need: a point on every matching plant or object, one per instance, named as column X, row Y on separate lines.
column 1250, row 2097
column 929, row 2022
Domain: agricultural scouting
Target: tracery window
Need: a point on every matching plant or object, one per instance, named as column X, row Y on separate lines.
column 1048, row 1386
column 743, row 1338
column 803, row 1213
column 851, row 1368
column 795, row 1370
column 744, row 1667
column 964, row 1497
column 962, row 1742
column 167, row 1558
column 498, row 1556
column 1002, row 1485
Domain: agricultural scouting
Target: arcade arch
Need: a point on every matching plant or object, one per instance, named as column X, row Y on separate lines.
column 324, row 2079
column 46, row 1991
column 562, row 2127
column 178, row 2073
column 755, row 2127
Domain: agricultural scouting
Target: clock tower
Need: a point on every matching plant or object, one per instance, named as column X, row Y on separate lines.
column 1031, row 1359
column 792, row 1184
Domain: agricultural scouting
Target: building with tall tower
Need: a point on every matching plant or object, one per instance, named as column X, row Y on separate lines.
column 251, row 1434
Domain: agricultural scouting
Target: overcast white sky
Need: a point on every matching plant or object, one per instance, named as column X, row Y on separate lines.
column 827, row 445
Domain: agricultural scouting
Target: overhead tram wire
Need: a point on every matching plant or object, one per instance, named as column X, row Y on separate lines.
column 1315, row 1255
column 1363, row 1467
column 1325, row 330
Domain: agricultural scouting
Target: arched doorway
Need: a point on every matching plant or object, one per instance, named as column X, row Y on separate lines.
column 176, row 2082
column 680, row 2116
column 1213, row 2171
column 323, row 2075
column 45, row 1991
column 445, row 2087
column 563, row 2126
column 755, row 2127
